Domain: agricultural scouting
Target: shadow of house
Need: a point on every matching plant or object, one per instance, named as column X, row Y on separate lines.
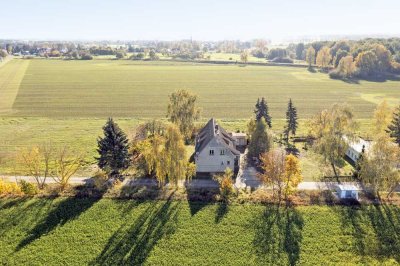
column 133, row 242
column 383, row 241
column 67, row 210
column 278, row 236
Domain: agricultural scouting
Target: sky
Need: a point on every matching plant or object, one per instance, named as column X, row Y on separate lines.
column 201, row 20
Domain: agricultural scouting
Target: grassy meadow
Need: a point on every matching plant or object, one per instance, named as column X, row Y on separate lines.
column 68, row 102
column 74, row 231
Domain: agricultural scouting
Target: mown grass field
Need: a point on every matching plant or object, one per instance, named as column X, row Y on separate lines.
column 102, row 88
column 68, row 231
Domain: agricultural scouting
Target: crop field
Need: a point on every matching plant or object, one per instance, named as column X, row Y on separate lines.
column 102, row 88
column 73, row 231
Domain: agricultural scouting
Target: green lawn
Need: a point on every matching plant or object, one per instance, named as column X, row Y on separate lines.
column 68, row 231
column 124, row 88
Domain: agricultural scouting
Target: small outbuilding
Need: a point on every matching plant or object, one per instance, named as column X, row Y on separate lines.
column 240, row 138
column 347, row 191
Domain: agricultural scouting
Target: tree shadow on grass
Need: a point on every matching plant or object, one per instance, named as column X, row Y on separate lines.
column 377, row 79
column 383, row 241
column 133, row 242
column 65, row 211
column 222, row 210
column 21, row 212
column 278, row 236
column 199, row 198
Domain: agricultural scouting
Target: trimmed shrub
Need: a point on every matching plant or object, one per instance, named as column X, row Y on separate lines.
column 28, row 188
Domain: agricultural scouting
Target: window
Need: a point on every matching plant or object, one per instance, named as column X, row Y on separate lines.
column 222, row 152
column 222, row 163
column 228, row 162
column 211, row 152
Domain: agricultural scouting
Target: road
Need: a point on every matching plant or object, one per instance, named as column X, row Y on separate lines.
column 196, row 183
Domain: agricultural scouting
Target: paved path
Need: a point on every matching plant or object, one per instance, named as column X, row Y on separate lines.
column 196, row 183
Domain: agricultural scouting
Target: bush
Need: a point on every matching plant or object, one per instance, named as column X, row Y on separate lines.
column 395, row 68
column 138, row 56
column 86, row 57
column 100, row 179
column 28, row 188
column 225, row 181
column 120, row 55
column 7, row 188
column 334, row 74
column 285, row 60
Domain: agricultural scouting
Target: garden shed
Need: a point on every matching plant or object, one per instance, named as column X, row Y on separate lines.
column 347, row 191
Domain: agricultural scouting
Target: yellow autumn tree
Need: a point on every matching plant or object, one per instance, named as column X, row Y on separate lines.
column 324, row 57
column 292, row 176
column 382, row 117
column 273, row 170
column 281, row 172
column 225, row 182
column 310, row 56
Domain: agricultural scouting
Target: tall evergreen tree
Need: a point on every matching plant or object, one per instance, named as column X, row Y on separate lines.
column 291, row 120
column 394, row 127
column 262, row 111
column 112, row 149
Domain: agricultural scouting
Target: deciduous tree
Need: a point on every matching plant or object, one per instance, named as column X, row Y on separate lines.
column 273, row 170
column 244, row 57
column 346, row 67
column 310, row 56
column 183, row 111
column 36, row 162
column 260, row 141
column 67, row 164
column 333, row 129
column 382, row 117
column 394, row 127
column 324, row 57
column 379, row 167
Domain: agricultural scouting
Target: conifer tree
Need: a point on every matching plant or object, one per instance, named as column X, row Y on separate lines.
column 291, row 120
column 394, row 127
column 262, row 111
column 112, row 149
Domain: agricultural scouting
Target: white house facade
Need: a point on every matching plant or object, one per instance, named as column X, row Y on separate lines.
column 215, row 150
column 356, row 148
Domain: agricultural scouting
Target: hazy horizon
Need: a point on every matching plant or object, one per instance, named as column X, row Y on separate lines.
column 201, row 20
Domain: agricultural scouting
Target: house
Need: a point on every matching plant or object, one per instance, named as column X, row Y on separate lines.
column 215, row 149
column 356, row 148
column 240, row 138
column 347, row 191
